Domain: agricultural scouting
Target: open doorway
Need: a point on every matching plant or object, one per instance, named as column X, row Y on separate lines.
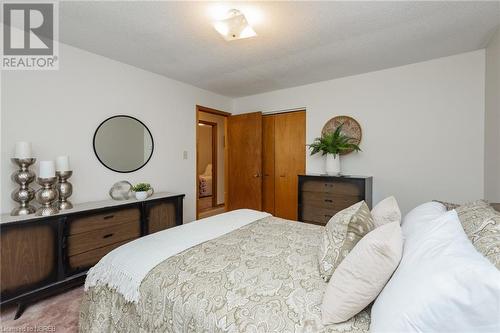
column 211, row 161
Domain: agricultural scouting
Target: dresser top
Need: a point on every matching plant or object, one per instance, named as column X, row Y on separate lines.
column 331, row 176
column 7, row 218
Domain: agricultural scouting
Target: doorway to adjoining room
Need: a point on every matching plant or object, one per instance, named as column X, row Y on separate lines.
column 210, row 161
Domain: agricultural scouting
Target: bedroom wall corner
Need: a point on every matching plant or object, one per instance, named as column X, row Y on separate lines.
column 58, row 111
column 492, row 121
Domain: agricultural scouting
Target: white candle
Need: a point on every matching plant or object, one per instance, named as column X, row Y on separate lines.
column 23, row 150
column 47, row 169
column 62, row 163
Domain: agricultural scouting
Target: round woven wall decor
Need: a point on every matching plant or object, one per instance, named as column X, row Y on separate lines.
column 351, row 128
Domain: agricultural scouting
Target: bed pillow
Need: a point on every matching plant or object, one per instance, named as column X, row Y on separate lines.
column 386, row 211
column 420, row 215
column 360, row 277
column 442, row 284
column 340, row 236
column 482, row 225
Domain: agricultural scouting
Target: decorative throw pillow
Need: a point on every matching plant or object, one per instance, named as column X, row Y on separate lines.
column 386, row 211
column 341, row 234
column 482, row 226
column 361, row 276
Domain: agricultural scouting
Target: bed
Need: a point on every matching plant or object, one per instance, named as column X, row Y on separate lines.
column 247, row 271
column 251, row 273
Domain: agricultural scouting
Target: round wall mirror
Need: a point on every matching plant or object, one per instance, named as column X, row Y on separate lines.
column 123, row 144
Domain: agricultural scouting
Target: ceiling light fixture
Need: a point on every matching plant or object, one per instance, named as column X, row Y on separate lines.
column 234, row 26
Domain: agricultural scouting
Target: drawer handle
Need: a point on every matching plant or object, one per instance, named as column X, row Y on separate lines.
column 107, row 236
column 107, row 217
column 328, row 200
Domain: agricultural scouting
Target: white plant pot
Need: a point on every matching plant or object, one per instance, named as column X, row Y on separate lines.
column 332, row 164
column 142, row 195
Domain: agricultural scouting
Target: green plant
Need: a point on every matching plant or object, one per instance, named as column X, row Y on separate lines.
column 141, row 187
column 334, row 143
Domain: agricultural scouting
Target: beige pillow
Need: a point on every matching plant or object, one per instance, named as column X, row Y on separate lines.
column 341, row 234
column 386, row 211
column 362, row 275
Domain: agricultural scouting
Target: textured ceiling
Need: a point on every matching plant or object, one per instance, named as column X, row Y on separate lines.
column 297, row 43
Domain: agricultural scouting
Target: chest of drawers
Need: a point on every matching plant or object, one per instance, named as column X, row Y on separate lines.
column 322, row 196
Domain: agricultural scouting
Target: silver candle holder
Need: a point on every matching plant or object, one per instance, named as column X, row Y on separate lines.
column 24, row 194
column 64, row 189
column 46, row 196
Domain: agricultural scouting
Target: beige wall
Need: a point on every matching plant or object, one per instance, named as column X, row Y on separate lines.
column 220, row 120
column 492, row 121
column 423, row 126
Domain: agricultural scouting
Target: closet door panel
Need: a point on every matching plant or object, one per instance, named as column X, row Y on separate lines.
column 290, row 150
column 245, row 161
column 268, row 164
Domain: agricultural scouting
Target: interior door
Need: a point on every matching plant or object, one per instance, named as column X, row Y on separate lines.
column 268, row 163
column 290, row 161
column 245, row 161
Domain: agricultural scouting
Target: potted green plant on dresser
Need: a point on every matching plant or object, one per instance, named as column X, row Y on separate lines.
column 332, row 144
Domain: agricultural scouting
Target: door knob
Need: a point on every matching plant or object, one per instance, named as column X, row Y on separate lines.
column 257, row 175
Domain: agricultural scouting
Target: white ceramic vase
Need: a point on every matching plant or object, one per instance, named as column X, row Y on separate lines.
column 332, row 164
column 141, row 195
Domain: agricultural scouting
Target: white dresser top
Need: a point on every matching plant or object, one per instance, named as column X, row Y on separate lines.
column 7, row 218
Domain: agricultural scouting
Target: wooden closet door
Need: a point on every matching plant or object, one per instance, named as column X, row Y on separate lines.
column 290, row 161
column 245, row 161
column 268, row 164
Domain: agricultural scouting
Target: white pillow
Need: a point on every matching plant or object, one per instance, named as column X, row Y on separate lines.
column 360, row 277
column 422, row 214
column 441, row 285
column 386, row 211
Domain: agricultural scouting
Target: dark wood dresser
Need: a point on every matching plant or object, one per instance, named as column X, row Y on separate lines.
column 322, row 196
column 41, row 256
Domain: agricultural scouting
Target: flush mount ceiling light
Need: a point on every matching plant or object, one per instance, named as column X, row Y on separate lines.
column 234, row 26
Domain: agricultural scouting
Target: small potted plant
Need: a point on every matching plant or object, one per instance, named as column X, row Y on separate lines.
column 142, row 191
column 332, row 144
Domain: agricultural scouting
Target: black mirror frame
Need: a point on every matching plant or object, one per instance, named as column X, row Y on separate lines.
column 124, row 116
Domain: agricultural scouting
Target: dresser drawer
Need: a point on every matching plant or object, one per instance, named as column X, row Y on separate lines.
column 317, row 215
column 343, row 188
column 90, row 258
column 329, row 200
column 92, row 240
column 103, row 220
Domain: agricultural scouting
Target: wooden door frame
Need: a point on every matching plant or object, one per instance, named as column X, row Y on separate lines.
column 205, row 109
column 215, row 147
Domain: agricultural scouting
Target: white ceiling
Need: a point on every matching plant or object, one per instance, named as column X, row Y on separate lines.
column 297, row 43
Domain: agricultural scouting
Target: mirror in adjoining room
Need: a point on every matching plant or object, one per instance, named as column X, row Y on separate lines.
column 123, row 144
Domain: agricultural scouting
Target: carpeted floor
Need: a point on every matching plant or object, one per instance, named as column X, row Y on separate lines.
column 55, row 314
